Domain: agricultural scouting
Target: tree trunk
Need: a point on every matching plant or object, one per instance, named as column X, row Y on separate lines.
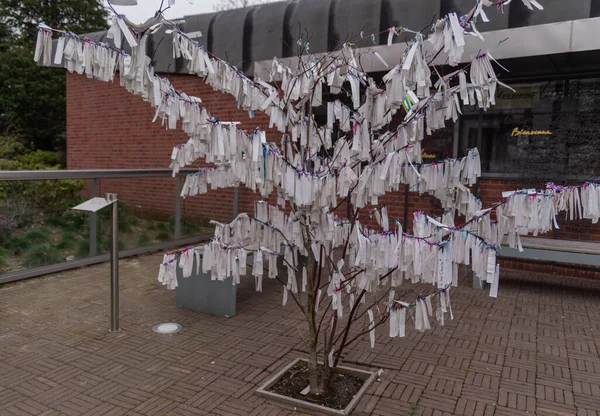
column 313, row 367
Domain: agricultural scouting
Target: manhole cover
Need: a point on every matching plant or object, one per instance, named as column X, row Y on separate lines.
column 168, row 328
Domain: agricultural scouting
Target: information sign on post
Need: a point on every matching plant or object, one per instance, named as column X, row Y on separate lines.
column 94, row 205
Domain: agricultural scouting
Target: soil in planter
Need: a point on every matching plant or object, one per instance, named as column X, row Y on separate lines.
column 344, row 387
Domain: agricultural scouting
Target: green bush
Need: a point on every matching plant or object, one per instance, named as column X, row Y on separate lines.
column 189, row 228
column 3, row 261
column 76, row 221
column 134, row 221
column 124, row 224
column 162, row 236
column 19, row 245
column 54, row 219
column 10, row 148
column 40, row 159
column 105, row 245
column 42, row 254
column 37, row 237
column 68, row 241
column 82, row 249
column 7, row 228
column 143, row 240
column 6, row 164
column 62, row 194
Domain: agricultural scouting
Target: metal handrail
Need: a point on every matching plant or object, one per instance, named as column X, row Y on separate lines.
column 94, row 175
column 38, row 175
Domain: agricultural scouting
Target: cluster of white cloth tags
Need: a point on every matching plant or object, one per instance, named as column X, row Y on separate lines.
column 371, row 254
column 430, row 255
column 408, row 82
column 365, row 163
column 264, row 169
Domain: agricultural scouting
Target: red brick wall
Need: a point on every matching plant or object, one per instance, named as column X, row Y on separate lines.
column 108, row 128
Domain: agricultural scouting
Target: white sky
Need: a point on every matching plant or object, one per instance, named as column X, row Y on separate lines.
column 146, row 8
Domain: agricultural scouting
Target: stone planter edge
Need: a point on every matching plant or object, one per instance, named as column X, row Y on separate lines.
column 368, row 377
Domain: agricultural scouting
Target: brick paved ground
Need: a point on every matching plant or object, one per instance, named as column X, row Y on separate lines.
column 534, row 350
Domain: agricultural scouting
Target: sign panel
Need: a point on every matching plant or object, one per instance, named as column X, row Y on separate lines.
column 93, row 205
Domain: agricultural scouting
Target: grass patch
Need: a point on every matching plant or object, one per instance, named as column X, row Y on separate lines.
column 124, row 224
column 134, row 221
column 105, row 245
column 43, row 254
column 19, row 245
column 75, row 221
column 188, row 227
column 162, row 236
column 55, row 220
column 143, row 240
column 37, row 237
column 68, row 241
column 82, row 249
column 3, row 261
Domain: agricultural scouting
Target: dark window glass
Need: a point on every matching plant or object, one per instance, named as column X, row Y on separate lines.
column 544, row 130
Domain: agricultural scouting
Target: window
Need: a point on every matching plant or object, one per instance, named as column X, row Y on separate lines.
column 544, row 130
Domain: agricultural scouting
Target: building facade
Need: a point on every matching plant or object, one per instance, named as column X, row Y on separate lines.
column 543, row 131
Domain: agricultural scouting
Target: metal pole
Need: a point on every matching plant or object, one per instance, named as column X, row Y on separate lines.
column 236, row 201
column 114, row 265
column 406, row 191
column 178, row 208
column 477, row 284
column 93, row 222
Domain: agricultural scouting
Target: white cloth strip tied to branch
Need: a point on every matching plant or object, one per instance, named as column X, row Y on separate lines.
column 227, row 78
column 173, row 106
column 370, row 254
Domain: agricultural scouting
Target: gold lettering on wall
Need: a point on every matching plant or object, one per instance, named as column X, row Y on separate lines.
column 518, row 132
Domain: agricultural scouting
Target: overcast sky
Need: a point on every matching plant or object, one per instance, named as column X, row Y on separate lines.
column 146, row 9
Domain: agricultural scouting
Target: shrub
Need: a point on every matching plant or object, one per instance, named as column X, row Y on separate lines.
column 40, row 159
column 19, row 245
column 83, row 249
column 188, row 227
column 37, row 237
column 7, row 228
column 124, row 224
column 43, row 254
column 44, row 194
column 162, row 236
column 54, row 219
column 143, row 240
column 60, row 195
column 10, row 148
column 105, row 245
column 68, row 241
column 76, row 221
column 3, row 261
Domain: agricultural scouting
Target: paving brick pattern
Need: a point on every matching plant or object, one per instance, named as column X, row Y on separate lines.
column 532, row 351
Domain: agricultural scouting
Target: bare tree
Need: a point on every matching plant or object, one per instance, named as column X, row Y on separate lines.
column 349, row 281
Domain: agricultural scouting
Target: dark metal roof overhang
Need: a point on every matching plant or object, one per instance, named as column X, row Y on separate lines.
column 259, row 33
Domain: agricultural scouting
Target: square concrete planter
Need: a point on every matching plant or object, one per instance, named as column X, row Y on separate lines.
column 367, row 376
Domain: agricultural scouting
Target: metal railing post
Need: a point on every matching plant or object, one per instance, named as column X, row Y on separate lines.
column 93, row 222
column 114, row 264
column 236, row 201
column 95, row 175
column 178, row 208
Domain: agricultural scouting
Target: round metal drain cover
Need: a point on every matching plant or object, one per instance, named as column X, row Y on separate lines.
column 168, row 328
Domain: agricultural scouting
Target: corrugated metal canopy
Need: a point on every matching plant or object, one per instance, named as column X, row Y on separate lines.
column 258, row 33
